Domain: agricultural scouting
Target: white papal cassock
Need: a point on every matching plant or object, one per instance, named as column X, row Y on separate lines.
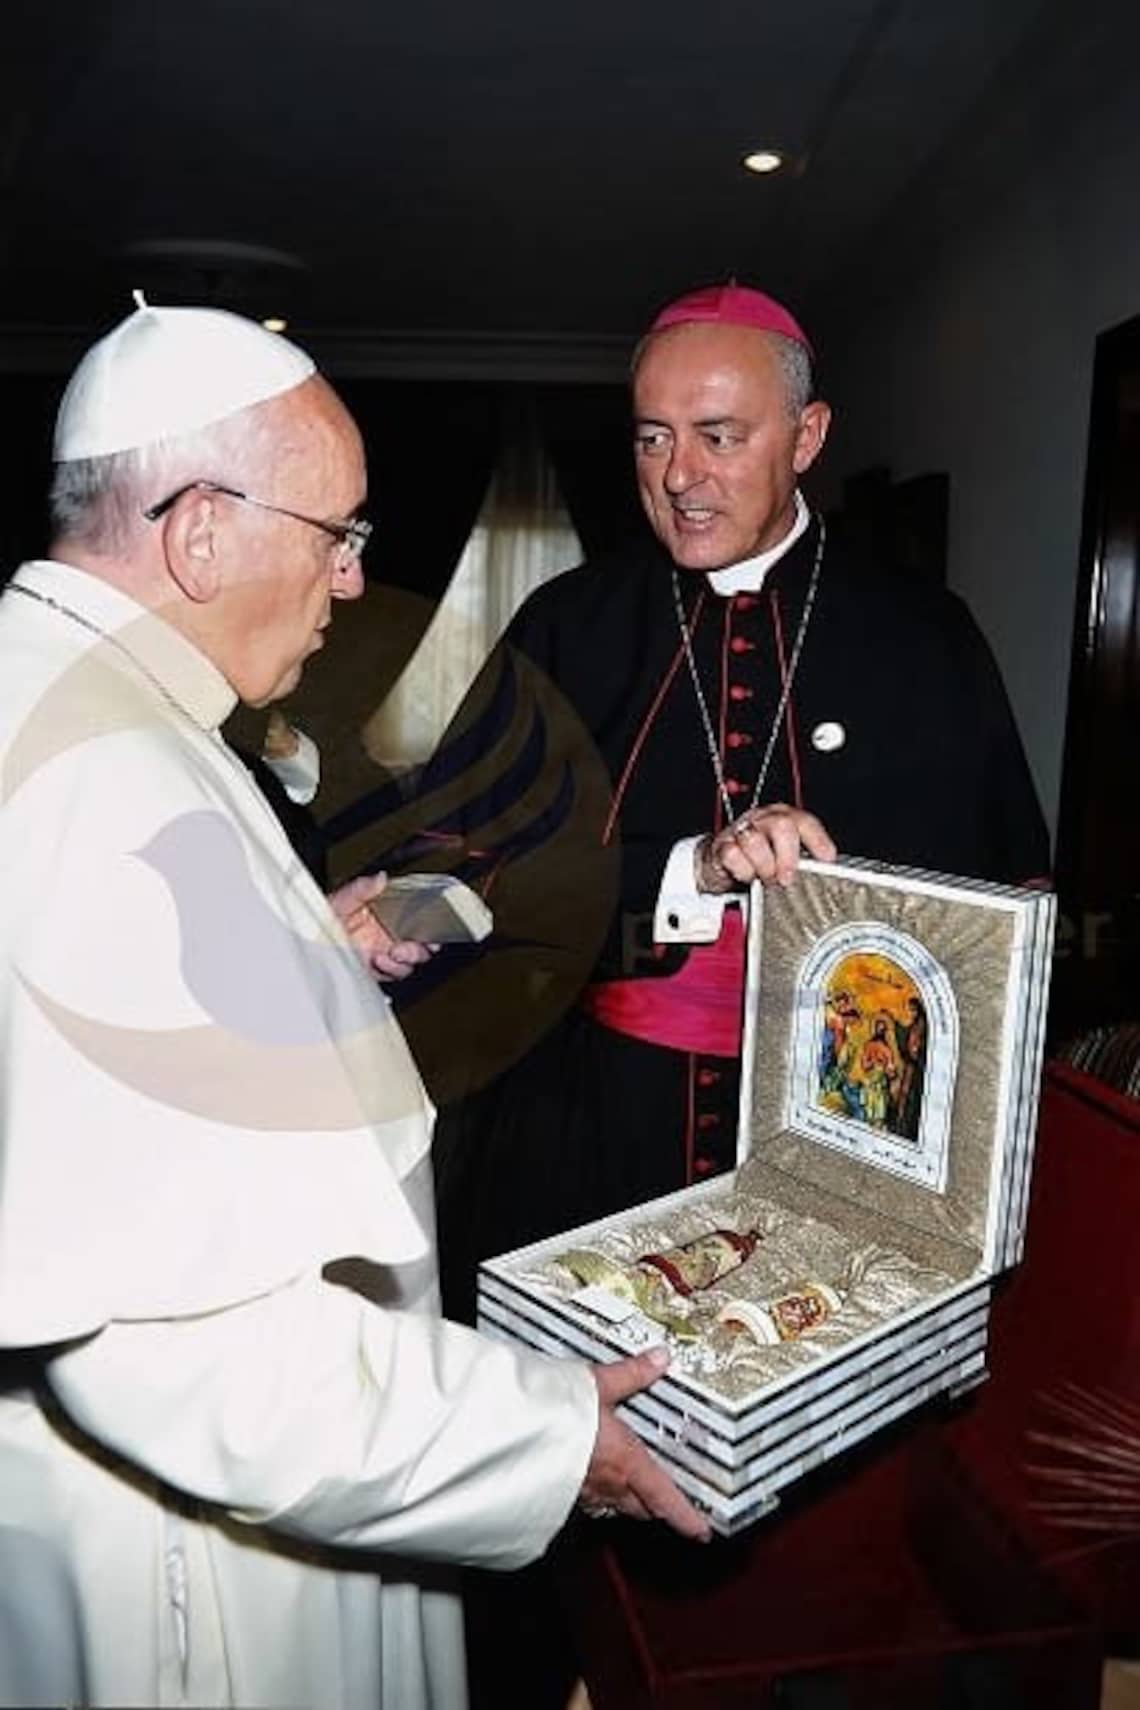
column 225, row 1477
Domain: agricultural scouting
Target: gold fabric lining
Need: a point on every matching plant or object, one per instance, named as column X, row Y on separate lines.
column 851, row 1249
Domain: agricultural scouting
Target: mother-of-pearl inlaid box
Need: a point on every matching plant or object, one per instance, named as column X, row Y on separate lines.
column 894, row 1024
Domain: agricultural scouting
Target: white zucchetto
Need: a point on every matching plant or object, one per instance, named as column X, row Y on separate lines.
column 165, row 372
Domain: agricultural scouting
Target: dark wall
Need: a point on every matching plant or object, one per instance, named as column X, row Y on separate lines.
column 432, row 447
column 27, row 410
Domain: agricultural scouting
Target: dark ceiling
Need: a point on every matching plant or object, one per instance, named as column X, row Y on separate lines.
column 504, row 169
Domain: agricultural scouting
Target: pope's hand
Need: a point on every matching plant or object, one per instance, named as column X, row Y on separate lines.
column 764, row 843
column 623, row 1477
column 391, row 958
column 281, row 740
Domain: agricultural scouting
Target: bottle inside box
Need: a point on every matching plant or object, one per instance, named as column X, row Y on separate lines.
column 811, row 1283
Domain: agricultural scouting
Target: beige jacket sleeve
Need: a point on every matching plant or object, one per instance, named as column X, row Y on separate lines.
column 330, row 1418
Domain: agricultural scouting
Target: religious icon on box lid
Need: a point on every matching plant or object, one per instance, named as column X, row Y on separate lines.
column 873, row 1044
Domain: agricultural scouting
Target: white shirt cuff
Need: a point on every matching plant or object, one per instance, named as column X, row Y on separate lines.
column 683, row 914
column 299, row 774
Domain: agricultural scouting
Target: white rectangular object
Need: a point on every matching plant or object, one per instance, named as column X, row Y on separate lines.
column 894, row 1026
column 432, row 908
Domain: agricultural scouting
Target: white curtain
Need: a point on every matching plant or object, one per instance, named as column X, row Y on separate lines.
column 523, row 536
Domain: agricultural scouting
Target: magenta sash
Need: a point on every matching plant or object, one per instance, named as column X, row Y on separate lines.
column 696, row 1009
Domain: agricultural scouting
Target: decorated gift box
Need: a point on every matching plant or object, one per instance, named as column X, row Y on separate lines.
column 842, row 1273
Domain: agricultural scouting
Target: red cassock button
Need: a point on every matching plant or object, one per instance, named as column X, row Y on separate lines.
column 741, row 644
column 703, row 1166
column 735, row 787
column 708, row 1119
column 708, row 1077
column 745, row 602
column 739, row 692
column 738, row 739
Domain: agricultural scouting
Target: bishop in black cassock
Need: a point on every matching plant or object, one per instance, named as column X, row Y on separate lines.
column 885, row 717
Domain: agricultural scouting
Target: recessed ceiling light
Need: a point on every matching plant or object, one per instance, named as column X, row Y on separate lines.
column 764, row 160
column 275, row 324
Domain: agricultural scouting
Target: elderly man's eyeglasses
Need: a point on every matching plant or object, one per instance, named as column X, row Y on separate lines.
column 352, row 536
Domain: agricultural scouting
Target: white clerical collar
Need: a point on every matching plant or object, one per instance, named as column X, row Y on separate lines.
column 747, row 577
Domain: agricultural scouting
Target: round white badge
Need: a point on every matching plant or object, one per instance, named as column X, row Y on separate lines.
column 829, row 736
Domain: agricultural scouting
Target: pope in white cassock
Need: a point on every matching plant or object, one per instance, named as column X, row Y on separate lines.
column 238, row 1446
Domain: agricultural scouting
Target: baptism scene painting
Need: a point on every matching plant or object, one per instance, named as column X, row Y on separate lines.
column 874, row 1037
column 876, row 1050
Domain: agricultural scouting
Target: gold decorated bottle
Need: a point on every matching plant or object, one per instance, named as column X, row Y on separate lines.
column 784, row 1319
column 703, row 1261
